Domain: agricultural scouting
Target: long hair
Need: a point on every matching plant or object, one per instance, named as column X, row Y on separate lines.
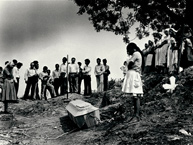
column 132, row 47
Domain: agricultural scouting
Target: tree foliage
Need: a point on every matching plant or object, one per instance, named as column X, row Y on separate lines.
column 119, row 16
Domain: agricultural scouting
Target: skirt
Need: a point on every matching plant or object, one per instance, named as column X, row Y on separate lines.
column 8, row 91
column 132, row 83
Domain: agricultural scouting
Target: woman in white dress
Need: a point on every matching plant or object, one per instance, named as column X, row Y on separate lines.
column 132, row 84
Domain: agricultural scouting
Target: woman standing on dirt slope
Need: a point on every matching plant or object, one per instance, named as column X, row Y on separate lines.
column 8, row 92
column 132, row 84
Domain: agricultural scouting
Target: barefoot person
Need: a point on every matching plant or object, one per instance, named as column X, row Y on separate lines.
column 132, row 84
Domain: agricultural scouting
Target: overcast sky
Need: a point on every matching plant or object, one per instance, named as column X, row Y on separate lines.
column 49, row 30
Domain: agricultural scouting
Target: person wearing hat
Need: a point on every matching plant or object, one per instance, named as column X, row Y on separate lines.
column 8, row 91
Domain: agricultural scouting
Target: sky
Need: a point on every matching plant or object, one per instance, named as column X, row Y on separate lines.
column 47, row 31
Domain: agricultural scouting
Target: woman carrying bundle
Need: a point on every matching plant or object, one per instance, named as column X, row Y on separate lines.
column 132, row 84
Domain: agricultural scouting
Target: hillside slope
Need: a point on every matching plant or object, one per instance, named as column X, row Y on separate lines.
column 166, row 118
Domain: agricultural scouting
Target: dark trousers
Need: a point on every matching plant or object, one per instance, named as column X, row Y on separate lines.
column 16, row 86
column 87, row 85
column 56, row 85
column 44, row 88
column 63, row 87
column 30, row 85
column 36, row 94
column 105, row 82
column 73, row 82
column 79, row 84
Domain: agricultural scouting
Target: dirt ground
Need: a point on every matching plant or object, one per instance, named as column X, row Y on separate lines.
column 166, row 118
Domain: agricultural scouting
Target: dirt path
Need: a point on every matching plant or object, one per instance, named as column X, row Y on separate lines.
column 45, row 123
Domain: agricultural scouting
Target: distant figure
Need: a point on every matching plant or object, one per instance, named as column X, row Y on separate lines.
column 36, row 79
column 132, row 84
column 145, row 51
column 149, row 58
column 80, row 77
column 187, row 51
column 8, row 94
column 73, row 76
column 87, row 78
column 124, row 68
column 99, row 70
column 1, row 81
column 163, row 52
column 16, row 76
column 63, row 76
column 43, row 77
column 172, row 53
column 106, row 74
column 157, row 50
column 56, row 75
column 30, row 82
column 14, row 62
column 49, row 85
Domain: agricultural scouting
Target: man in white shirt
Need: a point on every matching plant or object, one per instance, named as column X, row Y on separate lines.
column 73, row 76
column 87, row 78
column 63, row 76
column 29, row 79
column 56, row 75
column 99, row 70
column 16, row 75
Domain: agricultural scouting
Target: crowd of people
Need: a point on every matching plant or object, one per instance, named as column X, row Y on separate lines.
column 67, row 74
column 167, row 52
column 165, row 55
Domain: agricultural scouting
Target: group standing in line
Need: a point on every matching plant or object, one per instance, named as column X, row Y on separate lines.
column 167, row 52
column 64, row 74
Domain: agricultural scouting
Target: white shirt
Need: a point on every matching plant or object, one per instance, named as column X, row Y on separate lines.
column 55, row 74
column 15, row 73
column 29, row 73
column 73, row 68
column 42, row 75
column 99, row 69
column 86, row 70
column 63, row 68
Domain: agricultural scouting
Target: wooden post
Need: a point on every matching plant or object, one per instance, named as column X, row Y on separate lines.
column 67, row 77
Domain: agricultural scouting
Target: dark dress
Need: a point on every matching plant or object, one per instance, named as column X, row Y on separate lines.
column 8, row 89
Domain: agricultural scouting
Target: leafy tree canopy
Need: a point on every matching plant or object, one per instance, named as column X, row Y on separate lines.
column 119, row 16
